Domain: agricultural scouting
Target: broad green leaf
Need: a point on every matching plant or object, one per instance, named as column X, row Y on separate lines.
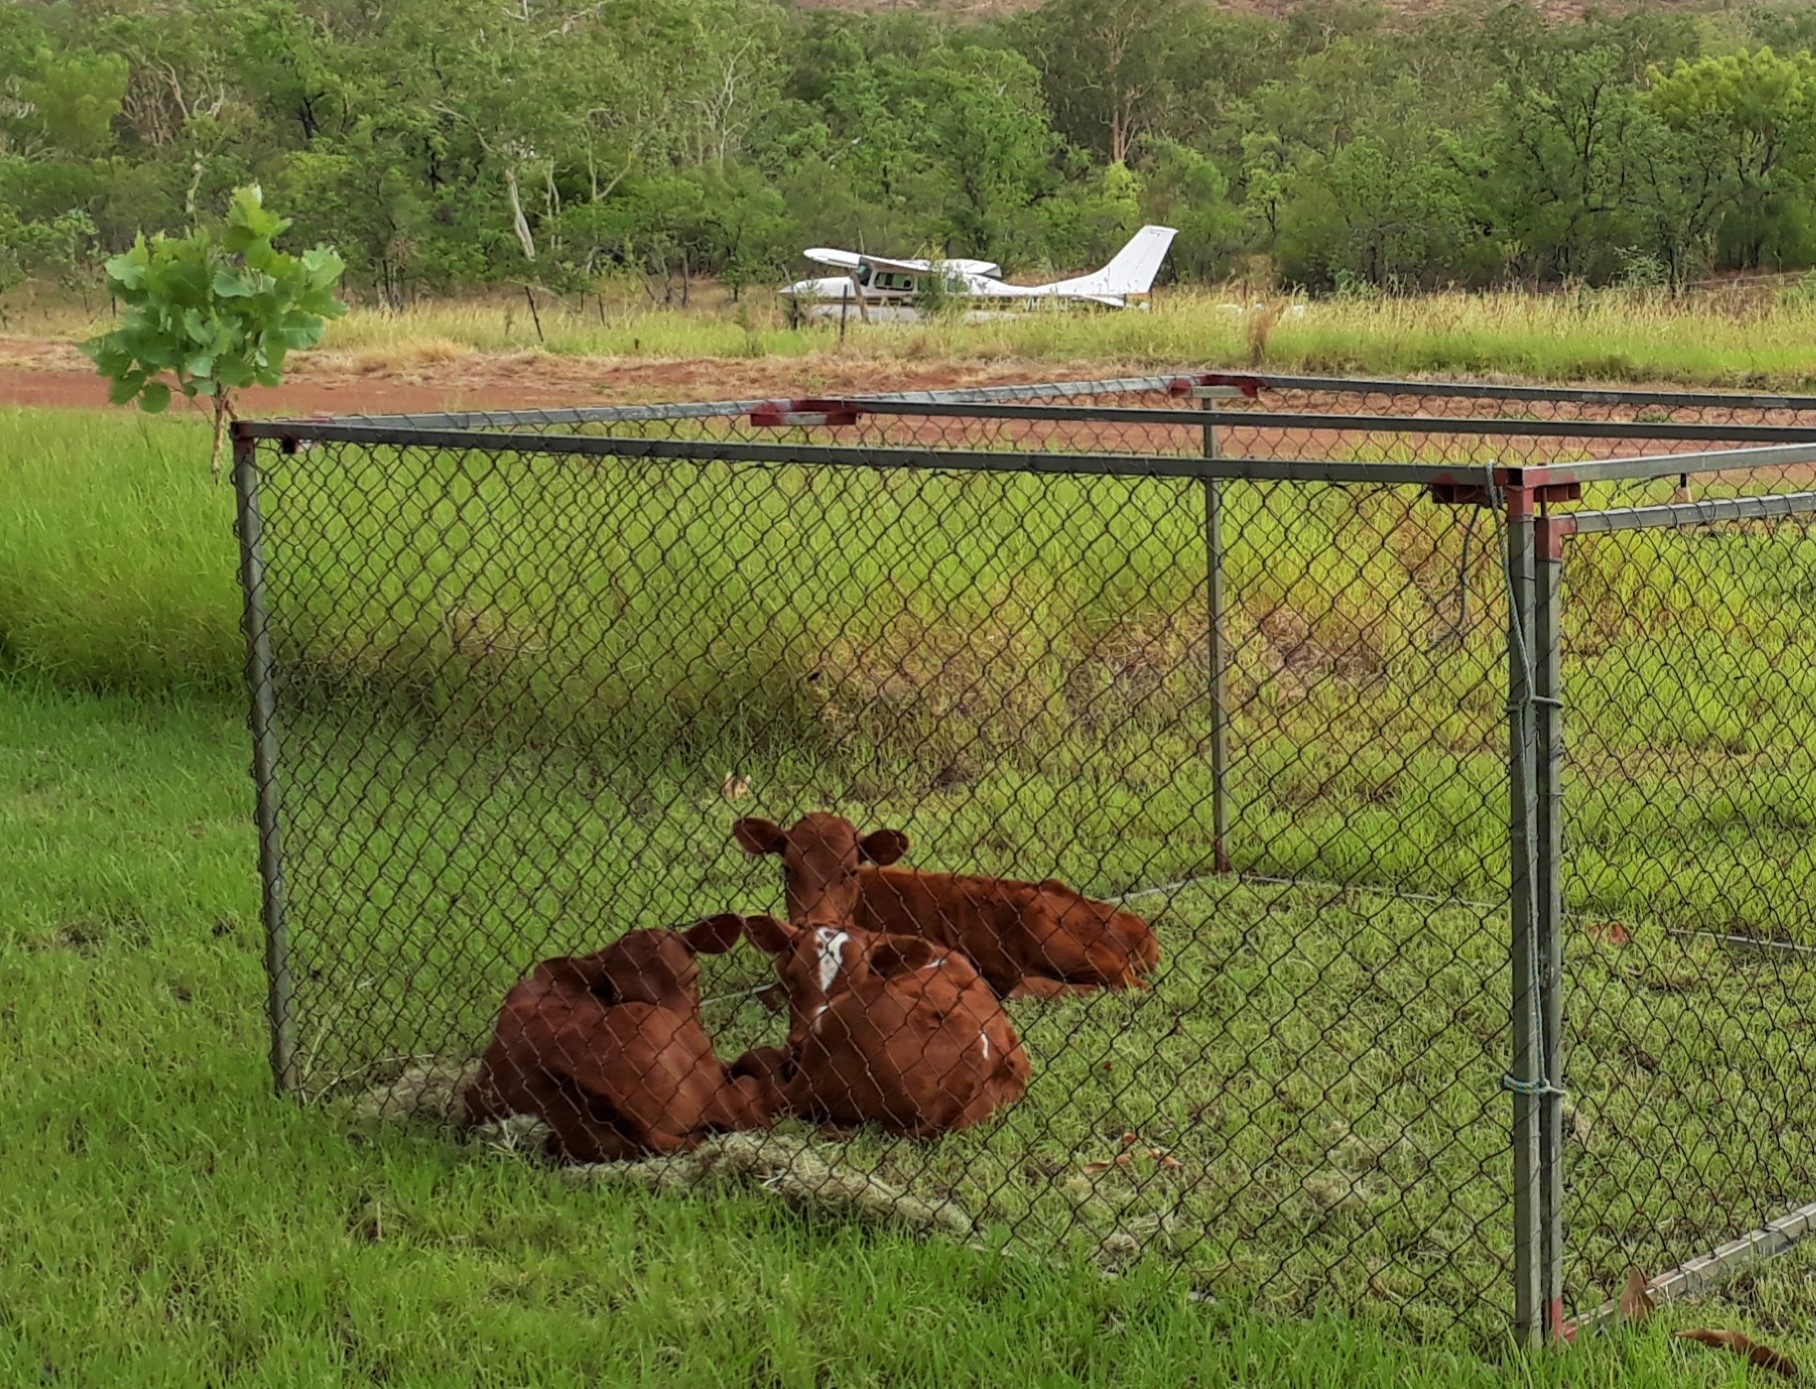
column 155, row 398
column 186, row 282
column 199, row 364
column 109, row 357
column 233, row 373
column 127, row 271
column 231, row 285
column 124, row 387
column 154, row 351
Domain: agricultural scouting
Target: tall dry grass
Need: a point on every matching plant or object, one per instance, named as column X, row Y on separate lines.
column 1765, row 339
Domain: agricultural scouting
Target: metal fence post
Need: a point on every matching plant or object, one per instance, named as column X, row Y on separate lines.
column 1548, row 895
column 1207, row 396
column 1523, row 1079
column 264, row 760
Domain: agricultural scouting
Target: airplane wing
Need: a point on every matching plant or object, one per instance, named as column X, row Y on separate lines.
column 851, row 260
column 825, row 255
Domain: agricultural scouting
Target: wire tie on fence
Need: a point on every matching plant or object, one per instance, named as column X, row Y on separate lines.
column 1539, row 1088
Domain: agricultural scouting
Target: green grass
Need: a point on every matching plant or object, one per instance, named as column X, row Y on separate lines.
column 935, row 629
column 119, row 567
column 167, row 1222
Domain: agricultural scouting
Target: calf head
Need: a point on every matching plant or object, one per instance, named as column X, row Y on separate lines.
column 649, row 966
column 818, row 963
column 820, row 857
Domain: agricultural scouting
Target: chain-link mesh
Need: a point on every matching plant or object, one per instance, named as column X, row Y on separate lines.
column 1688, row 664
column 525, row 677
column 1258, row 416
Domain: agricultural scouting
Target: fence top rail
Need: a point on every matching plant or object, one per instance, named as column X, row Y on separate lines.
column 1749, row 459
column 1320, row 420
column 1485, row 390
column 1167, row 383
column 291, row 433
column 1708, row 512
column 1753, row 459
column 713, row 409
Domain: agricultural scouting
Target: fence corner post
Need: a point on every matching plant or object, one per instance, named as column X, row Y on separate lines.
column 1523, row 831
column 1548, row 897
column 1220, row 732
column 263, row 694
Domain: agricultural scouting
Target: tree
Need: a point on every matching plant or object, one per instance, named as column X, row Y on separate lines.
column 76, row 97
column 988, row 133
column 1563, row 136
column 55, row 250
column 1755, row 115
column 1183, row 189
column 212, row 313
column 1103, row 67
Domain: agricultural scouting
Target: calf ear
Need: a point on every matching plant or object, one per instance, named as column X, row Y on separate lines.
column 882, row 846
column 768, row 934
column 902, row 954
column 715, row 935
column 583, row 973
column 758, row 837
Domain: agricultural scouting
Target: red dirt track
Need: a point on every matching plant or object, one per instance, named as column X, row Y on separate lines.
column 36, row 373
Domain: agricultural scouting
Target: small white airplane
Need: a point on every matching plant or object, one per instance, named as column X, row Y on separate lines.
column 888, row 290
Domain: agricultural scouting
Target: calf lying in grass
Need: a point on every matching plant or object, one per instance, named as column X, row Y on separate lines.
column 608, row 1050
column 890, row 1030
column 1028, row 940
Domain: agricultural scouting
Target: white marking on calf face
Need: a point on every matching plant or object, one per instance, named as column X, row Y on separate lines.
column 832, row 954
column 984, row 1037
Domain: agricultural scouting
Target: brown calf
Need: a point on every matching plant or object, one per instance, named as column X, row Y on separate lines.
column 891, row 1030
column 608, row 1050
column 1028, row 940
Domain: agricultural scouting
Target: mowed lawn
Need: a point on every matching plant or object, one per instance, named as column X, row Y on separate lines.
column 1324, row 1064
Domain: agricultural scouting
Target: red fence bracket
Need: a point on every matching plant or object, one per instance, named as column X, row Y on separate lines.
column 1249, row 386
column 784, row 414
column 1455, row 492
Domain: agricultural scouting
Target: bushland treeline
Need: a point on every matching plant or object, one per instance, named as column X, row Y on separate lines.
column 450, row 144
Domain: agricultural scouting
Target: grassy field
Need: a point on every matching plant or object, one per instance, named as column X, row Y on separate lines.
column 1611, row 335
column 1323, row 1064
column 169, row 1223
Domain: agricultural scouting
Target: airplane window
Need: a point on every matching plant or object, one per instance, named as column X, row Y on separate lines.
column 863, row 274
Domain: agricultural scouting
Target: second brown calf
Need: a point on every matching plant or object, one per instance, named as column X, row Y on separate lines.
column 1028, row 940
column 609, row 1051
column 889, row 1030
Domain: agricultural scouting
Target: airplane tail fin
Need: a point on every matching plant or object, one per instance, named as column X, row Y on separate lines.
column 1132, row 270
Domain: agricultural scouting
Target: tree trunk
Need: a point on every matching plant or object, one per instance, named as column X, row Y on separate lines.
column 223, row 415
column 519, row 223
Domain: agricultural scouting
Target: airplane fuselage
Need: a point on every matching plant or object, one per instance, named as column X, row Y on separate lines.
column 881, row 288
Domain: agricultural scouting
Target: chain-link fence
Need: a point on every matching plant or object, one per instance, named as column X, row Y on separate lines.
column 1276, row 664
